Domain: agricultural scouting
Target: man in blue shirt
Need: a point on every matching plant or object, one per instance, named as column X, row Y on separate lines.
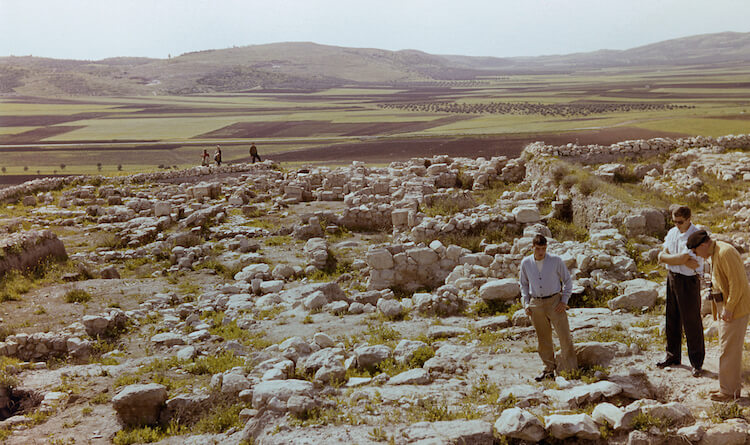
column 545, row 290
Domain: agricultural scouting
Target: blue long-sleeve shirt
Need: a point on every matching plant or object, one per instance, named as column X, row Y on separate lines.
column 554, row 278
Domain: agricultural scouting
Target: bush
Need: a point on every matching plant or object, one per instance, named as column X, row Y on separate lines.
column 567, row 231
column 77, row 296
column 588, row 186
column 558, row 172
column 720, row 412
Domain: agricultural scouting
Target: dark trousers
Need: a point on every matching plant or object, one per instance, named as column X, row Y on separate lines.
column 684, row 313
column 254, row 157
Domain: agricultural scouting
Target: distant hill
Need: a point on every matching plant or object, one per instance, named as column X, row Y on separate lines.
column 305, row 66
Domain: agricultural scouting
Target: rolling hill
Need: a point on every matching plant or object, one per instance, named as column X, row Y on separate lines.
column 306, row 66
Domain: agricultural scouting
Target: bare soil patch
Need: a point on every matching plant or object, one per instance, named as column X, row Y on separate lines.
column 510, row 146
column 37, row 134
column 319, row 128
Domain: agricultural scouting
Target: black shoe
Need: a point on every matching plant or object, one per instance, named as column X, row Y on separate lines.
column 697, row 372
column 544, row 376
column 667, row 362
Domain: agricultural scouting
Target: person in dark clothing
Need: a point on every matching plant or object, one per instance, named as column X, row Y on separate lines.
column 217, row 156
column 254, row 153
column 683, row 311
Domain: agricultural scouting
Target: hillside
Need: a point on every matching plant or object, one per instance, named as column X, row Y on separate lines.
column 305, row 65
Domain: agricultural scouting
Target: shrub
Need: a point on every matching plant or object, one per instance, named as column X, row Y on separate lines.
column 444, row 206
column 214, row 364
column 644, row 422
column 558, row 172
column 420, row 356
column 14, row 284
column 382, row 334
column 588, row 185
column 567, row 231
column 719, row 412
column 220, row 419
column 77, row 296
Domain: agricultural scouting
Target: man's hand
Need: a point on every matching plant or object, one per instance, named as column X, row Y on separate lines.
column 726, row 315
column 561, row 307
column 692, row 263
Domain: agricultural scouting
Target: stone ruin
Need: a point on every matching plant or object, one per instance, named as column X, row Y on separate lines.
column 417, row 281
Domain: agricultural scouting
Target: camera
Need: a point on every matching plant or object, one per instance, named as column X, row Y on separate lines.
column 714, row 294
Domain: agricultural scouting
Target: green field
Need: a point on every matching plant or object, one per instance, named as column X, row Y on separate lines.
column 141, row 133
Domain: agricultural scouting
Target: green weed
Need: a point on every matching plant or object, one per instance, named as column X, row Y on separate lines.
column 719, row 412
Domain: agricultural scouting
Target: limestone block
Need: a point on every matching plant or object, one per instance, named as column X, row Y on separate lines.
column 581, row 426
column 636, row 294
column 526, row 214
column 505, row 289
column 379, row 259
column 282, row 390
column 417, row 376
column 518, row 423
column 140, row 404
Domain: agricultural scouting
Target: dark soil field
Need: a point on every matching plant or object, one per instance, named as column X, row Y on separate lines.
column 473, row 147
column 323, row 128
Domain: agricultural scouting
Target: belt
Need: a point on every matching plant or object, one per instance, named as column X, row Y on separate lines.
column 547, row 296
column 683, row 275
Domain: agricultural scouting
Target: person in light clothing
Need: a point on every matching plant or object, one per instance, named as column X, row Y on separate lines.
column 683, row 311
column 545, row 290
column 731, row 296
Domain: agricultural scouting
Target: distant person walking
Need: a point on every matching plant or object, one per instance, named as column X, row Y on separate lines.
column 545, row 289
column 217, row 156
column 683, row 294
column 254, row 153
column 206, row 158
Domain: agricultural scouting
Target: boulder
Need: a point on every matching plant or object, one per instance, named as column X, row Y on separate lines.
column 140, row 404
column 390, row 308
column 518, row 423
column 506, row 289
column 368, row 357
column 475, row 432
column 281, row 390
column 580, row 426
column 636, row 294
column 417, row 376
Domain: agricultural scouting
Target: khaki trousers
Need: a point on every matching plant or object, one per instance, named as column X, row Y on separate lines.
column 731, row 340
column 544, row 317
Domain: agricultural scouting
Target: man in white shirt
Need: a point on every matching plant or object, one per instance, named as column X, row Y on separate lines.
column 683, row 294
column 545, row 290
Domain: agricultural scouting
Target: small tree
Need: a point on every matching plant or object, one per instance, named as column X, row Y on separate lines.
column 38, row 172
column 62, row 166
column 25, row 168
column 119, row 167
column 99, row 166
column 3, row 169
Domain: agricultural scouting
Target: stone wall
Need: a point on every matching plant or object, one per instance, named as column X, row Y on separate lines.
column 597, row 154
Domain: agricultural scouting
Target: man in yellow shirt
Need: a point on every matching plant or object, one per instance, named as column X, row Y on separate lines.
column 732, row 298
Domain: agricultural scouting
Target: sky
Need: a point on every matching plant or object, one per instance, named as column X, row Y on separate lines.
column 97, row 29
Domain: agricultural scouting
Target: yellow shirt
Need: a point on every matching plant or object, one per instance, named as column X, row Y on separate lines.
column 728, row 276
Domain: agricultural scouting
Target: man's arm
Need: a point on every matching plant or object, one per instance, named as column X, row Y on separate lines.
column 734, row 271
column 523, row 281
column 677, row 259
column 567, row 282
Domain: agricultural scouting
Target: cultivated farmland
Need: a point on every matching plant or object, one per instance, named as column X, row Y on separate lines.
column 488, row 116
